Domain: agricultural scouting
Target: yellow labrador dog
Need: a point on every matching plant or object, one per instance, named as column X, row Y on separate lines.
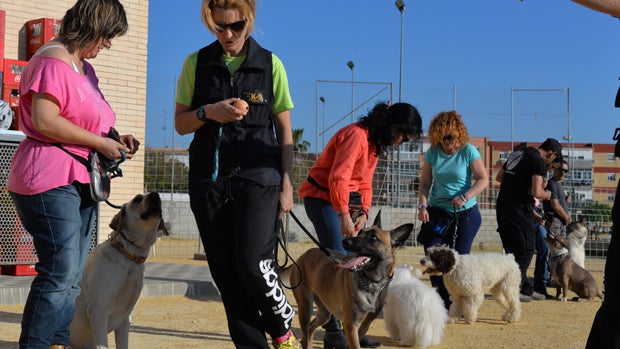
column 114, row 275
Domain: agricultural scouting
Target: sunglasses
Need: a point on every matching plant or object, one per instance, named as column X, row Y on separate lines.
column 448, row 138
column 565, row 170
column 235, row 26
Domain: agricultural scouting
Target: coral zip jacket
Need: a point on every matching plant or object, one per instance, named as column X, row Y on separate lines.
column 347, row 164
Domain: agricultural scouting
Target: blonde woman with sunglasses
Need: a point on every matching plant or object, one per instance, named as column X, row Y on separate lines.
column 232, row 95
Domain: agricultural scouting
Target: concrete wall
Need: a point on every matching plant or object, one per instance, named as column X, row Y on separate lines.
column 178, row 216
column 122, row 79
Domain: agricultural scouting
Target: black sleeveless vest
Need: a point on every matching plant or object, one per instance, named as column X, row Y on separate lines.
column 248, row 148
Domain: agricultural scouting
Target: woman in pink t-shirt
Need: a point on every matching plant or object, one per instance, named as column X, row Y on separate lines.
column 60, row 102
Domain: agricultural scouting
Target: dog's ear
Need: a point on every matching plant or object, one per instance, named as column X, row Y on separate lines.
column 117, row 221
column 377, row 222
column 399, row 235
column 163, row 227
column 444, row 259
column 582, row 220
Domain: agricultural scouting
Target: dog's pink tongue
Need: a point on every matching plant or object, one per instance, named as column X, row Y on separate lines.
column 354, row 262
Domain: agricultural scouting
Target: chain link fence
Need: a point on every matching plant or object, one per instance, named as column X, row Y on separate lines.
column 395, row 186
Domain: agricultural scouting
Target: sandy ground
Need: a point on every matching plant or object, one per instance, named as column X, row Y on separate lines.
column 181, row 322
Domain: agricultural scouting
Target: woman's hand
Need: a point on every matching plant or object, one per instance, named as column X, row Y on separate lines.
column 347, row 227
column 459, row 201
column 130, row 142
column 111, row 148
column 360, row 222
column 224, row 112
column 423, row 215
column 286, row 200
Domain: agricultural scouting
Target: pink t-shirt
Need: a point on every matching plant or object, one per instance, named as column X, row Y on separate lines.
column 39, row 166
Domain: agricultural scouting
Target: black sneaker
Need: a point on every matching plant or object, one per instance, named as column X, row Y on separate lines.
column 366, row 342
column 544, row 293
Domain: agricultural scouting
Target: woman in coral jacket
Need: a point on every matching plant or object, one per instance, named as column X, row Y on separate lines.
column 343, row 174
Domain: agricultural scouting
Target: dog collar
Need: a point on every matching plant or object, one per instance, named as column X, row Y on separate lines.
column 562, row 255
column 120, row 248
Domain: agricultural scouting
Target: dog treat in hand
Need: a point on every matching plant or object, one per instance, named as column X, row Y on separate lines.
column 241, row 104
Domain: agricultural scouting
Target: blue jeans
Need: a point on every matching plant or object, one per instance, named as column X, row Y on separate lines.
column 541, row 269
column 60, row 221
column 326, row 223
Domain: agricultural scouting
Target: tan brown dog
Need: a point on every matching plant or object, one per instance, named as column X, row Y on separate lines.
column 353, row 291
column 114, row 275
column 567, row 274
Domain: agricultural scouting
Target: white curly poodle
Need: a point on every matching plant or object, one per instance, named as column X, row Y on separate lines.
column 469, row 277
column 413, row 312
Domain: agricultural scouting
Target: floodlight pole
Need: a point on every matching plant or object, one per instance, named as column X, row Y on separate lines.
column 400, row 5
column 351, row 66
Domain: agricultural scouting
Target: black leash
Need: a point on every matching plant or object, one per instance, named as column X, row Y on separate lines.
column 328, row 252
column 112, row 205
column 321, row 247
column 282, row 242
column 455, row 220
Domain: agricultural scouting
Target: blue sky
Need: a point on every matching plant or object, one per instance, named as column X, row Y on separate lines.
column 514, row 69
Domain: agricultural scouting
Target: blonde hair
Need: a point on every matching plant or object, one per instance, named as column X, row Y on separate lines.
column 440, row 122
column 247, row 8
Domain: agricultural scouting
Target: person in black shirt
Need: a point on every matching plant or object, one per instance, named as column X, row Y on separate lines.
column 521, row 179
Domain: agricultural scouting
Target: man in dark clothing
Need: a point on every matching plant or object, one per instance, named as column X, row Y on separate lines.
column 556, row 209
column 521, row 179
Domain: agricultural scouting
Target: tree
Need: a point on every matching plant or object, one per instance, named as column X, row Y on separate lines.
column 298, row 144
column 163, row 172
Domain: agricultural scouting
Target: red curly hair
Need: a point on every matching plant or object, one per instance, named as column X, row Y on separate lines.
column 438, row 126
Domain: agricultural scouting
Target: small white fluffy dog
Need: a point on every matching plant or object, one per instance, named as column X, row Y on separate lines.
column 469, row 277
column 576, row 234
column 413, row 311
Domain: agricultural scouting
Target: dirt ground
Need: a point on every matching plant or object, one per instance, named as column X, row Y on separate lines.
column 181, row 322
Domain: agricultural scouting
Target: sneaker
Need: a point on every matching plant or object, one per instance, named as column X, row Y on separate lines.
column 537, row 296
column 287, row 343
column 524, row 298
column 551, row 283
column 367, row 342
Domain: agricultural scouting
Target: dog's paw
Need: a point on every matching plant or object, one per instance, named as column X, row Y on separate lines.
column 470, row 321
column 509, row 317
column 563, row 299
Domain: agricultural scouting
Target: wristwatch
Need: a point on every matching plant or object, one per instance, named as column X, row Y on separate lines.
column 201, row 114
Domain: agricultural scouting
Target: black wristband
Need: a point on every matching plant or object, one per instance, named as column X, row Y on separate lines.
column 201, row 114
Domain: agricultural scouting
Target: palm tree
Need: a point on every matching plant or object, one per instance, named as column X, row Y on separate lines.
column 298, row 144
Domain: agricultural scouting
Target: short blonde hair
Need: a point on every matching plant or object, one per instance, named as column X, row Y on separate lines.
column 439, row 124
column 247, row 8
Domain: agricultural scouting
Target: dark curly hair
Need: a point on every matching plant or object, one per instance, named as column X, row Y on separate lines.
column 383, row 121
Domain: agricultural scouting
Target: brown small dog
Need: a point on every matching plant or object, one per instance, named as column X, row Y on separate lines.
column 567, row 274
column 354, row 290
